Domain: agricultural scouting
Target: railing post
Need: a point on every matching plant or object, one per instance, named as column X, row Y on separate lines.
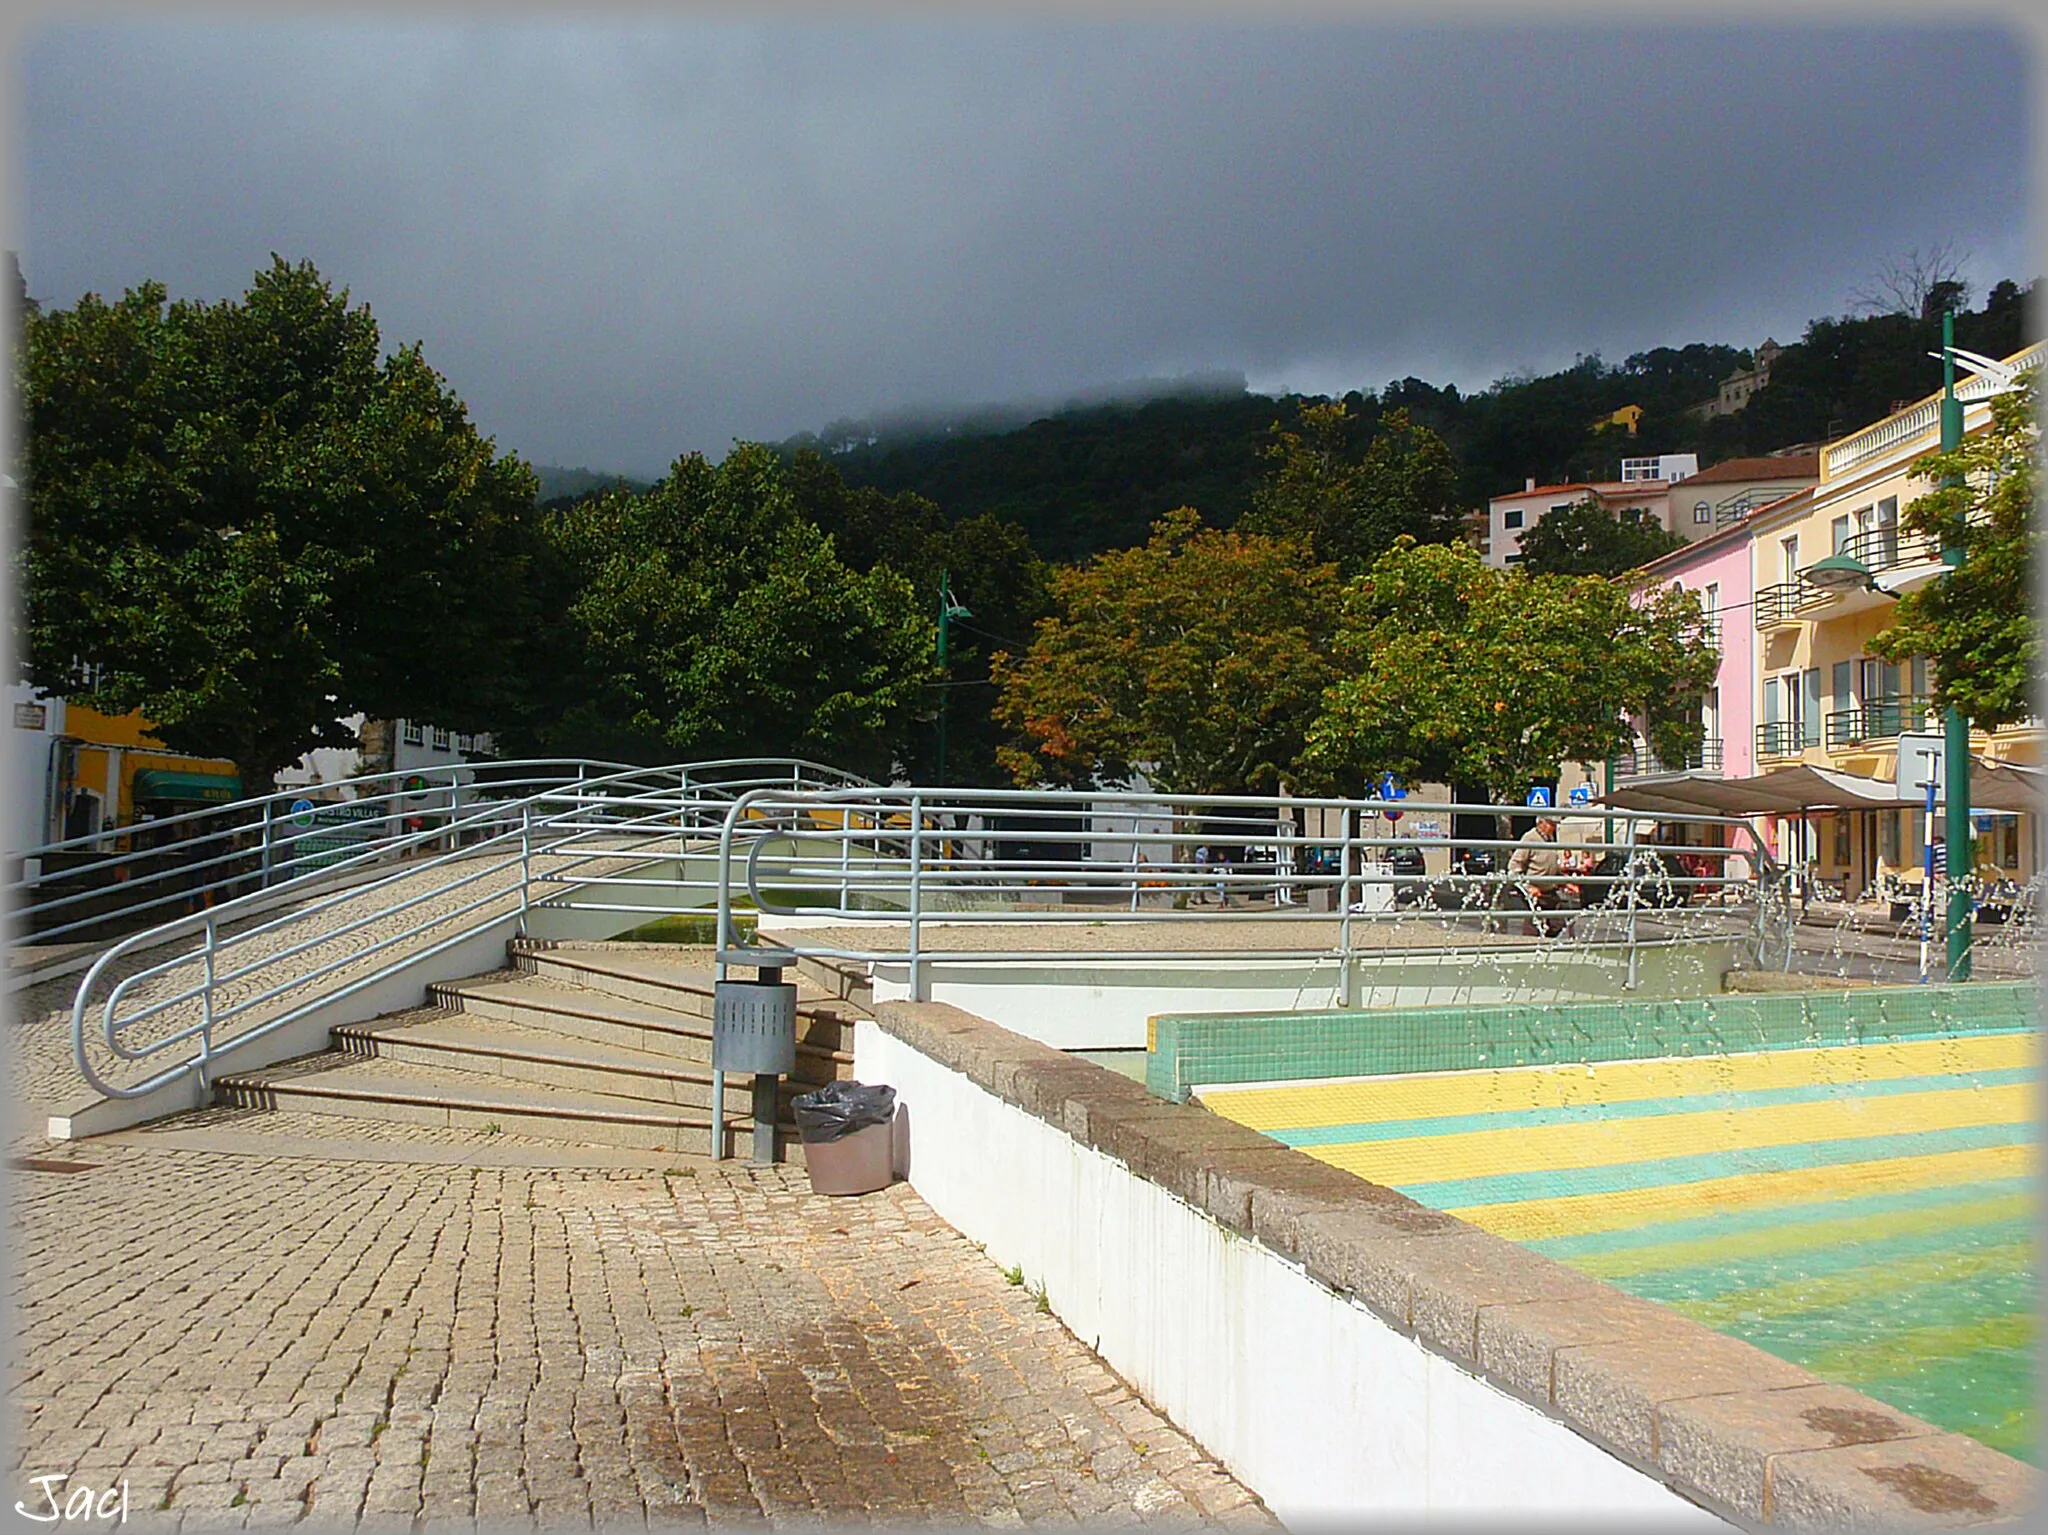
column 206, row 1011
column 917, row 976
column 1635, row 878
column 525, row 864
column 269, row 822
column 1347, row 983
column 846, row 813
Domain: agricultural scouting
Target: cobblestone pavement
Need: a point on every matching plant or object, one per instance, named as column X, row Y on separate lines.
column 258, row 1336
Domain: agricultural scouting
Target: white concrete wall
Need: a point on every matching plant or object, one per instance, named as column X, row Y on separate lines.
column 1107, row 1006
column 1327, row 1412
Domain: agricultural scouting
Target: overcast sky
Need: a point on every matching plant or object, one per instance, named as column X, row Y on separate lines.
column 621, row 243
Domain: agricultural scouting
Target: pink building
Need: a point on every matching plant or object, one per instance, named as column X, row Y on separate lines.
column 1718, row 568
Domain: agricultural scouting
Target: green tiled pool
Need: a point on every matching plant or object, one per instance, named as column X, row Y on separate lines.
column 1866, row 1210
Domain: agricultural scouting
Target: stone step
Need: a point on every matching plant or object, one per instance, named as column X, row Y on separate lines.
column 824, row 1044
column 682, row 982
column 395, row 1091
column 542, row 1058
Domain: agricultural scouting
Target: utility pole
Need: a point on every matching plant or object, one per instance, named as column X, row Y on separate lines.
column 1956, row 736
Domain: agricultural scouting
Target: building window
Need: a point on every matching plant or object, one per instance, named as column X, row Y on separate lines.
column 1841, row 841
column 1511, row 519
column 1888, row 836
column 439, row 740
column 1701, row 512
column 413, row 735
column 1839, row 529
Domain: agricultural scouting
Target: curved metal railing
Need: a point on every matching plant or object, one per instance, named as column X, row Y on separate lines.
column 909, row 857
column 215, row 980
column 123, row 878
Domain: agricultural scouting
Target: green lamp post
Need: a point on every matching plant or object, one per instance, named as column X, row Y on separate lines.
column 948, row 611
column 1955, row 769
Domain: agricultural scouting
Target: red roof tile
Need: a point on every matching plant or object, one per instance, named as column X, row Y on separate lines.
column 1794, row 466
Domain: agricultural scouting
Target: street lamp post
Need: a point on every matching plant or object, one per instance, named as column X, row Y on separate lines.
column 1956, row 733
column 948, row 611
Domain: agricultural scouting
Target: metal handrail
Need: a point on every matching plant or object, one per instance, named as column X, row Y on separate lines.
column 943, row 859
column 635, row 815
column 258, row 844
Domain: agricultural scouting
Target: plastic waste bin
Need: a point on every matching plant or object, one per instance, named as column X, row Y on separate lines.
column 849, row 1136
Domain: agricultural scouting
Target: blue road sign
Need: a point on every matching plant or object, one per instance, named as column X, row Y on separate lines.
column 302, row 811
column 1582, row 794
column 1539, row 798
column 1391, row 790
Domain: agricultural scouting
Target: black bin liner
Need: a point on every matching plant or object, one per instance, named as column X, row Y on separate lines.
column 839, row 1108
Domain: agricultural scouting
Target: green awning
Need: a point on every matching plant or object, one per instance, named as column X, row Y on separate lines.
column 187, row 788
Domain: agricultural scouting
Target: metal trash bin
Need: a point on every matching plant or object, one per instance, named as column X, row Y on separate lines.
column 849, row 1135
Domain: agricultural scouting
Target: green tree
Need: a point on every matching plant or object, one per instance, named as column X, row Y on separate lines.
column 991, row 570
column 1978, row 624
column 708, row 619
column 1350, row 505
column 1456, row 672
column 1586, row 539
column 1196, row 658
column 246, row 522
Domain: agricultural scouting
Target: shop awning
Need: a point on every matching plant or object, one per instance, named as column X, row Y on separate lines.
column 187, row 788
column 1995, row 788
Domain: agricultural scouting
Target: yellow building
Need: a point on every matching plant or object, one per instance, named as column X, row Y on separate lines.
column 1822, row 697
column 108, row 770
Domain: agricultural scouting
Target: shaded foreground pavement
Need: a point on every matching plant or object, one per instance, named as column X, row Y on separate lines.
column 255, row 1323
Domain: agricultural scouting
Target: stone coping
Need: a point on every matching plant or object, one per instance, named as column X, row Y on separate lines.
column 1740, row 1431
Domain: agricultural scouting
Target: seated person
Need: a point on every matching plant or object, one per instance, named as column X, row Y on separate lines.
column 1539, row 865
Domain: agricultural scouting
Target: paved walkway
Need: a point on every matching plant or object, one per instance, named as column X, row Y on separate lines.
column 257, row 1322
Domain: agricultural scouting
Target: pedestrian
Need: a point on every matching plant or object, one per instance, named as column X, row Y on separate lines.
column 1538, row 865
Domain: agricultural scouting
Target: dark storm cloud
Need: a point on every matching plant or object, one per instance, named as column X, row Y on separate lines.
column 620, row 244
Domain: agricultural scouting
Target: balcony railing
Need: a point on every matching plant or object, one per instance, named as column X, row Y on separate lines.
column 1921, row 419
column 1782, row 604
column 1785, row 738
column 1887, row 548
column 1642, row 762
column 1879, row 720
column 1742, row 503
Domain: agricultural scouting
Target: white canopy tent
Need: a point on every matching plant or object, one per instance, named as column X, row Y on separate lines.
column 1996, row 788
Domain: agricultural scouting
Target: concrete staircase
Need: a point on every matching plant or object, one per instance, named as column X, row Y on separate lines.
column 584, row 1044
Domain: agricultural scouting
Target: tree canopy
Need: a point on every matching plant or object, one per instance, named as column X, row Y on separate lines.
column 707, row 618
column 1586, row 539
column 1456, row 672
column 991, row 570
column 246, row 523
column 1978, row 624
column 1347, row 505
column 1197, row 658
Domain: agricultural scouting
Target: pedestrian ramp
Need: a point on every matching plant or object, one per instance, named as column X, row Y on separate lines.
column 589, row 1044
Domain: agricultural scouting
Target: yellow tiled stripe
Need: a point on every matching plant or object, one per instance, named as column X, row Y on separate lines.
column 1428, row 1095
column 1801, row 1236
column 1577, row 1214
column 1615, row 1142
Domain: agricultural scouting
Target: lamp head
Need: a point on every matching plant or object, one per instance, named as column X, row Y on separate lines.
column 1839, row 572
